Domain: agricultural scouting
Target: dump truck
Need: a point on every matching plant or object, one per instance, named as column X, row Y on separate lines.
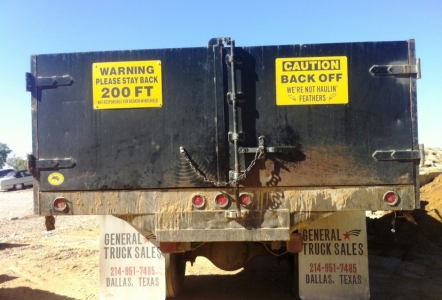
column 233, row 152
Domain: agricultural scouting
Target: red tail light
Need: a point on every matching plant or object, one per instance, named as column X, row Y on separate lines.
column 391, row 198
column 222, row 200
column 60, row 204
column 245, row 199
column 198, row 201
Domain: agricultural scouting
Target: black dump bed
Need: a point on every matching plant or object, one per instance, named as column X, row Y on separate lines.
column 118, row 119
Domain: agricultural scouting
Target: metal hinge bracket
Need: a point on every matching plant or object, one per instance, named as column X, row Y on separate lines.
column 401, row 155
column 386, row 70
column 49, row 164
column 50, row 81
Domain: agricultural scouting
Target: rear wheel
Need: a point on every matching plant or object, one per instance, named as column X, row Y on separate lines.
column 18, row 186
column 175, row 272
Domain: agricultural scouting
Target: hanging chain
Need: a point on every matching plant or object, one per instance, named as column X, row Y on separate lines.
column 232, row 182
column 393, row 222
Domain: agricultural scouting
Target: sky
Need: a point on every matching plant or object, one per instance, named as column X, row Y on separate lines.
column 44, row 27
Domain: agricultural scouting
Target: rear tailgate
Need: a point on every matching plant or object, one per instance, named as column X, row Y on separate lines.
column 335, row 105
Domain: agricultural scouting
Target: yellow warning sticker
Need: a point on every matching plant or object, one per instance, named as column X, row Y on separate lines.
column 311, row 80
column 128, row 84
column 56, row 178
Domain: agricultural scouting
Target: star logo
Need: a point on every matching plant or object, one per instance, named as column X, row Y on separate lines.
column 354, row 232
column 147, row 238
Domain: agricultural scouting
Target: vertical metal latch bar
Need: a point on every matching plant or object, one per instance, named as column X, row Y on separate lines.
column 235, row 125
column 234, row 110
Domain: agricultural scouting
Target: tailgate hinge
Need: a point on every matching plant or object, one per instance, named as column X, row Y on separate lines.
column 50, row 81
column 49, row 164
column 386, row 70
column 401, row 155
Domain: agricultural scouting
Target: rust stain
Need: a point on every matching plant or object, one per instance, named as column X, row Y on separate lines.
column 334, row 165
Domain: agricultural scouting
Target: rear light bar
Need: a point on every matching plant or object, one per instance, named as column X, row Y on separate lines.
column 222, row 200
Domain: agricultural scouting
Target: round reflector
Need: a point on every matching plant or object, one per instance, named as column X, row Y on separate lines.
column 60, row 204
column 245, row 199
column 222, row 200
column 391, row 198
column 198, row 201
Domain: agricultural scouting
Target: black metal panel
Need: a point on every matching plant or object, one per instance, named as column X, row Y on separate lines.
column 139, row 148
column 130, row 148
column 336, row 141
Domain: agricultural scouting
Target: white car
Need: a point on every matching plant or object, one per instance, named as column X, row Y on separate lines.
column 5, row 172
column 16, row 180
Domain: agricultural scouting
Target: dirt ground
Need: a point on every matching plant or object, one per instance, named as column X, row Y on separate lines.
column 63, row 264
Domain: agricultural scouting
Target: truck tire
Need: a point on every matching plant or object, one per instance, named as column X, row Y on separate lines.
column 175, row 272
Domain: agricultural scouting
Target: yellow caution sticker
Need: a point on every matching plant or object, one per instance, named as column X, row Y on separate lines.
column 311, row 80
column 55, row 178
column 128, row 84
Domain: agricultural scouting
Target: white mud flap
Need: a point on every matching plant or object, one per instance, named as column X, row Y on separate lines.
column 334, row 260
column 131, row 265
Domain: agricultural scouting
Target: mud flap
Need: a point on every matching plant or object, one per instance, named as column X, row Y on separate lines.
column 334, row 260
column 131, row 264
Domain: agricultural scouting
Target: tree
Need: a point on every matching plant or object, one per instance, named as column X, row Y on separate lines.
column 4, row 151
column 17, row 162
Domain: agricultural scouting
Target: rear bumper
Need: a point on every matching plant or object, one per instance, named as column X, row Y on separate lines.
column 273, row 215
